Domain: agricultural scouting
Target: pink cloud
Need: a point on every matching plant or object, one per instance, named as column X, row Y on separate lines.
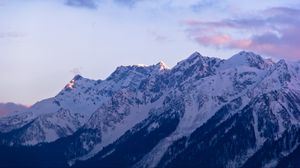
column 275, row 34
column 214, row 40
column 191, row 22
column 244, row 43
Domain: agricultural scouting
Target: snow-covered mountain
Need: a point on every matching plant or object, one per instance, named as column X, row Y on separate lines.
column 203, row 112
column 8, row 108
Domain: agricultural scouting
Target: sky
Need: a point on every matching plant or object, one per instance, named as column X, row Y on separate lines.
column 44, row 43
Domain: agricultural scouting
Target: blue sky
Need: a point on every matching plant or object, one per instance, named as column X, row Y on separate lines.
column 44, row 43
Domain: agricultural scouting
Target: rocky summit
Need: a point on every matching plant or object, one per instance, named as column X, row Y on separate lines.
column 204, row 112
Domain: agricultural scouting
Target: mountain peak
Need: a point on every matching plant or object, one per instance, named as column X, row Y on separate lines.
column 70, row 85
column 246, row 55
column 245, row 58
column 192, row 59
column 162, row 66
column 194, row 56
column 77, row 77
column 196, row 53
column 140, row 65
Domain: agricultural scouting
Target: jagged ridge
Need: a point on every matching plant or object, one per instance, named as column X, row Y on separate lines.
column 202, row 112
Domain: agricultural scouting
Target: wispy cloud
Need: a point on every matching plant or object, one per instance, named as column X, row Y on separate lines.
column 76, row 71
column 159, row 37
column 90, row 4
column 11, row 35
column 3, row 3
column 93, row 4
column 191, row 4
column 204, row 4
column 274, row 32
column 128, row 3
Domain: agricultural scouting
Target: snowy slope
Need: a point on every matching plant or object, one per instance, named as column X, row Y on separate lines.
column 201, row 105
column 76, row 102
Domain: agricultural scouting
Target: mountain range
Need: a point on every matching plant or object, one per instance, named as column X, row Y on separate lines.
column 203, row 112
column 8, row 108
